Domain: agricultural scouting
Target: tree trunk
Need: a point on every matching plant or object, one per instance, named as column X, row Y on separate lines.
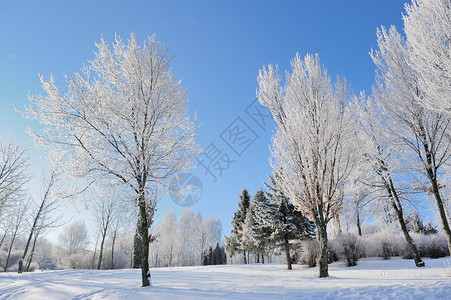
column 9, row 253
column 440, row 206
column 20, row 269
column 30, row 257
column 102, row 242
column 287, row 253
column 324, row 251
column 431, row 171
column 411, row 243
column 4, row 236
column 397, row 206
column 357, row 214
column 143, row 230
column 245, row 260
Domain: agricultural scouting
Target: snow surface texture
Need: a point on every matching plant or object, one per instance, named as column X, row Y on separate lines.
column 371, row 279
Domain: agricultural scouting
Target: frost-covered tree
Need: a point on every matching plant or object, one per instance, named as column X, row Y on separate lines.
column 106, row 207
column 210, row 233
column 257, row 231
column 415, row 223
column 43, row 216
column 14, row 163
column 427, row 24
column 311, row 154
column 167, row 239
column 420, row 135
column 185, row 242
column 376, row 147
column 189, row 230
column 284, row 220
column 124, row 117
column 17, row 219
column 74, row 238
column 358, row 193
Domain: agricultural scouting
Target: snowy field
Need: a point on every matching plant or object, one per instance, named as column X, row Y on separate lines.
column 371, row 279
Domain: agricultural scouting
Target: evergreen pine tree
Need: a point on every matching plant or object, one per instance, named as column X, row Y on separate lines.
column 248, row 239
column 415, row 224
column 208, row 257
column 224, row 256
column 430, row 229
column 260, row 231
column 234, row 243
column 286, row 222
column 216, row 258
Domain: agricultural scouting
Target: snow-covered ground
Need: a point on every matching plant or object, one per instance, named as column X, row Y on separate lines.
column 371, row 279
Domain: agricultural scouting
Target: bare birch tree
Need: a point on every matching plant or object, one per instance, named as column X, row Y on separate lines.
column 124, row 116
column 311, row 147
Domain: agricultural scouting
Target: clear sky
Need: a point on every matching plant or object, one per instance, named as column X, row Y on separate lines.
column 218, row 48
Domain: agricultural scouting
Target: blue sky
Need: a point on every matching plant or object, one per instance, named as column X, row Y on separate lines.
column 218, row 48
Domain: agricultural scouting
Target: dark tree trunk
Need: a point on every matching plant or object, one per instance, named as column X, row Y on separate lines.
column 324, row 251
column 4, row 236
column 440, row 206
column 359, row 225
column 431, row 171
column 30, row 257
column 143, row 230
column 245, row 260
column 30, row 236
column 102, row 242
column 9, row 252
column 397, row 206
column 20, row 269
column 287, row 252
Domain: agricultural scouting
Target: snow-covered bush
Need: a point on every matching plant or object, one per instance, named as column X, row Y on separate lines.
column 45, row 255
column 309, row 252
column 33, row 267
column 76, row 261
column 383, row 244
column 431, row 245
column 13, row 259
column 348, row 247
column 437, row 246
